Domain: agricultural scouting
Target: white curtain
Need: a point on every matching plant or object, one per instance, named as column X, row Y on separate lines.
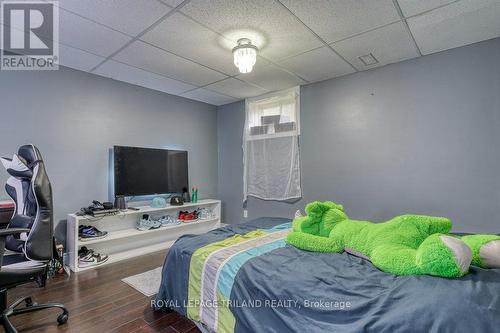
column 271, row 146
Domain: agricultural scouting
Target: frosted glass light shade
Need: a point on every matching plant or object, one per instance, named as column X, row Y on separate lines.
column 245, row 55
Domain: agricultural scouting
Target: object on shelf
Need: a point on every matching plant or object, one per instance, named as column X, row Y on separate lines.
column 176, row 200
column 88, row 232
column 206, row 214
column 120, row 202
column 87, row 257
column 169, row 220
column 107, row 205
column 185, row 195
column 186, row 216
column 158, row 202
column 147, row 223
column 194, row 195
column 98, row 209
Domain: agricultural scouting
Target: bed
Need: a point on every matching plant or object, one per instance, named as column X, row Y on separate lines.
column 245, row 278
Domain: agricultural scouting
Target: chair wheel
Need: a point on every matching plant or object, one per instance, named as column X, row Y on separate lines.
column 29, row 302
column 62, row 319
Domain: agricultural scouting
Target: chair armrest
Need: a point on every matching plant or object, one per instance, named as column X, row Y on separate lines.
column 12, row 231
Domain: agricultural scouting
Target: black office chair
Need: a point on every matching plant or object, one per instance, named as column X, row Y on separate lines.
column 29, row 235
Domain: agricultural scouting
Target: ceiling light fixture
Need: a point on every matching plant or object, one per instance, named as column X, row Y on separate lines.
column 245, row 55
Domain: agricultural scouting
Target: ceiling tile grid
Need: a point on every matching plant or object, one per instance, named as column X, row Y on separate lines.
column 128, row 16
column 78, row 59
column 126, row 73
column 171, row 3
column 81, row 33
column 150, row 58
column 270, row 77
column 183, row 36
column 413, row 7
column 277, row 33
column 389, row 44
column 236, row 88
column 186, row 50
column 318, row 64
column 334, row 20
column 207, row 96
column 458, row 24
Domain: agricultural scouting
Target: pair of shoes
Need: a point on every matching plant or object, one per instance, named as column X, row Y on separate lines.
column 88, row 232
column 87, row 257
column 205, row 214
column 147, row 223
column 187, row 216
column 169, row 220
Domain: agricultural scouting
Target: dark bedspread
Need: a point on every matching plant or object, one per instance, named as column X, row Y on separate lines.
column 302, row 291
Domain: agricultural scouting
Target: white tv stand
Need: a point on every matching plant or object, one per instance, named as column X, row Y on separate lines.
column 125, row 241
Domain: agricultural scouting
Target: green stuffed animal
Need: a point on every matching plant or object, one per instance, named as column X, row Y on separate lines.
column 405, row 245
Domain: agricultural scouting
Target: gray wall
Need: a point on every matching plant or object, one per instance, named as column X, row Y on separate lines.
column 421, row 136
column 75, row 118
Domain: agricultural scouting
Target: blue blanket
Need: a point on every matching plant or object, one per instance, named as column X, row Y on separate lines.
column 283, row 289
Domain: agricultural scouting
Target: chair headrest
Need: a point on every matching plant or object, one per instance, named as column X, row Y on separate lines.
column 30, row 153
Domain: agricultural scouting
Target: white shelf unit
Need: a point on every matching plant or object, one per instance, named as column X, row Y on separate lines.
column 125, row 241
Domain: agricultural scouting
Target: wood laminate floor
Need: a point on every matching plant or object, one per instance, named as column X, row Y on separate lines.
column 99, row 302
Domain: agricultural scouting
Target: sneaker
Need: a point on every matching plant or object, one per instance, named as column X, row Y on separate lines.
column 205, row 214
column 182, row 215
column 87, row 257
column 169, row 220
column 146, row 223
column 86, row 233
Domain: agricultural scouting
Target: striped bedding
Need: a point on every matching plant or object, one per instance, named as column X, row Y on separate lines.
column 213, row 269
column 245, row 278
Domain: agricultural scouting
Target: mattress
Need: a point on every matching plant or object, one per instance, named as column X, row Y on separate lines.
column 245, row 278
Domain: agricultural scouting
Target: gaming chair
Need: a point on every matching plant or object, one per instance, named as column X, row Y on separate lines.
column 29, row 235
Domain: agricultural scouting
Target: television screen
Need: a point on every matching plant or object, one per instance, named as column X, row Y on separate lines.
column 144, row 171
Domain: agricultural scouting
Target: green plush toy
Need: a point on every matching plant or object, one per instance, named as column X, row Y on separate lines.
column 405, row 245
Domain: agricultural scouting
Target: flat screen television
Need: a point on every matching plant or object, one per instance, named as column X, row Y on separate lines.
column 145, row 171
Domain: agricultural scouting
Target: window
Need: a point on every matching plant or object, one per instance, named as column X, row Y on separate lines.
column 273, row 115
column 271, row 146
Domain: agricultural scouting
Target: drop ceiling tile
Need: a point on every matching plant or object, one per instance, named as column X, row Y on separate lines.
column 83, row 34
column 128, row 16
column 270, row 26
column 181, row 35
column 122, row 72
column 334, row 20
column 388, row 45
column 172, row 3
column 208, row 96
column 458, row 24
column 236, row 88
column 317, row 65
column 415, row 7
column 150, row 58
column 270, row 77
column 77, row 59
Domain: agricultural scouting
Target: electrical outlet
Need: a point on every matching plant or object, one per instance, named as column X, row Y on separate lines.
column 245, row 213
